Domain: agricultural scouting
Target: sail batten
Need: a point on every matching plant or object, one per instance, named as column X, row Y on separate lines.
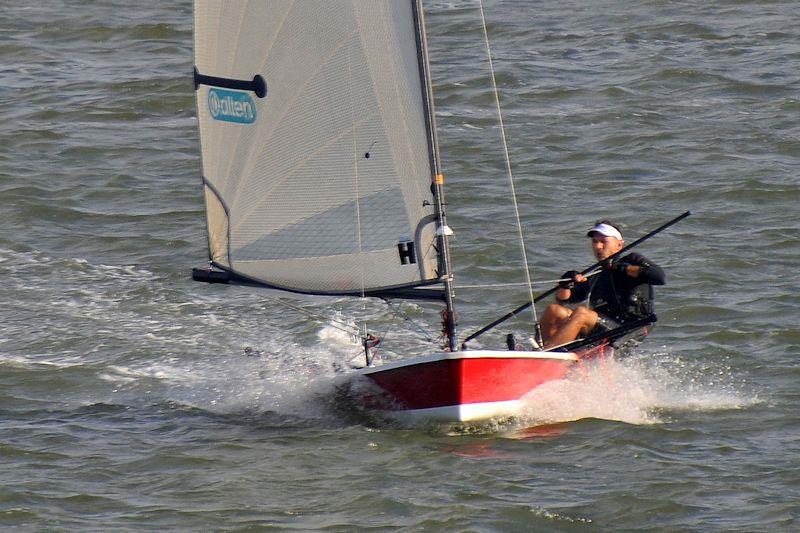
column 315, row 149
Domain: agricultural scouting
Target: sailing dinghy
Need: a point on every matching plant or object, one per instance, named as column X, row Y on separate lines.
column 321, row 175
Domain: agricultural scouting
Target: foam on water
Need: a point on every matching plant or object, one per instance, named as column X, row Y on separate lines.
column 298, row 380
column 212, row 351
column 638, row 390
column 287, row 381
column 133, row 338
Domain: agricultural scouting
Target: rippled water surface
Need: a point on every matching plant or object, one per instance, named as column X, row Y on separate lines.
column 126, row 399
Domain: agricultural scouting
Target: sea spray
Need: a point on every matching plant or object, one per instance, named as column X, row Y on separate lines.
column 639, row 390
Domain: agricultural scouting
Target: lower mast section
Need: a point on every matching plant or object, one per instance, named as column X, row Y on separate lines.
column 437, row 185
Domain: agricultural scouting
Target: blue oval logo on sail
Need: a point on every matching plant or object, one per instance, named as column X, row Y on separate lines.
column 231, row 106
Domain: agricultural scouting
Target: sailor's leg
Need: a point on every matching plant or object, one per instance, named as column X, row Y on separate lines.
column 553, row 317
column 580, row 322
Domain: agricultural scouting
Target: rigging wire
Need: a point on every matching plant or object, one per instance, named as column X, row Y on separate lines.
column 500, row 285
column 508, row 164
column 356, row 160
column 399, row 312
column 352, row 330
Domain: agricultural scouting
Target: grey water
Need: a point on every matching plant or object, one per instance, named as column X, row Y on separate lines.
column 127, row 401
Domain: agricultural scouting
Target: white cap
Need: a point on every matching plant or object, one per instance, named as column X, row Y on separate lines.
column 606, row 230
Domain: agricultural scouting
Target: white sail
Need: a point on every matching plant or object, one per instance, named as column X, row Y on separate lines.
column 318, row 175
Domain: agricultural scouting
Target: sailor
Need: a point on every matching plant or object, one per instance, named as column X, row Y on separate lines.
column 622, row 291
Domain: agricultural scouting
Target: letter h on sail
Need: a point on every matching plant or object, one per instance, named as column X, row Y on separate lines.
column 407, row 255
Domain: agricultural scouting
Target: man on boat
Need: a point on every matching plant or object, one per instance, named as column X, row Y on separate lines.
column 621, row 292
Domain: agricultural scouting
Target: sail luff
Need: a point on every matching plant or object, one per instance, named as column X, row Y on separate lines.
column 437, row 179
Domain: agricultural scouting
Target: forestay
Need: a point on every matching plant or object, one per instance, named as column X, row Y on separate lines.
column 315, row 145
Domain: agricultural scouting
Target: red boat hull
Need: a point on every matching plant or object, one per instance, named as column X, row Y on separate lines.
column 461, row 386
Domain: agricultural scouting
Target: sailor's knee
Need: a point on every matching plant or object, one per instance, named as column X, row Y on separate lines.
column 584, row 314
column 557, row 311
column 552, row 308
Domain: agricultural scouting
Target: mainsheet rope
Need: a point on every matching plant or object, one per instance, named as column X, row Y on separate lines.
column 528, row 281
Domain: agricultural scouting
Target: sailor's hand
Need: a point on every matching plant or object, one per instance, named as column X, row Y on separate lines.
column 616, row 266
column 570, row 278
column 627, row 269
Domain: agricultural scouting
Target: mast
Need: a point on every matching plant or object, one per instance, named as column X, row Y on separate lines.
column 437, row 179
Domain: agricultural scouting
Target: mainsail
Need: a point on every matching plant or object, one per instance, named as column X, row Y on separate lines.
column 316, row 148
